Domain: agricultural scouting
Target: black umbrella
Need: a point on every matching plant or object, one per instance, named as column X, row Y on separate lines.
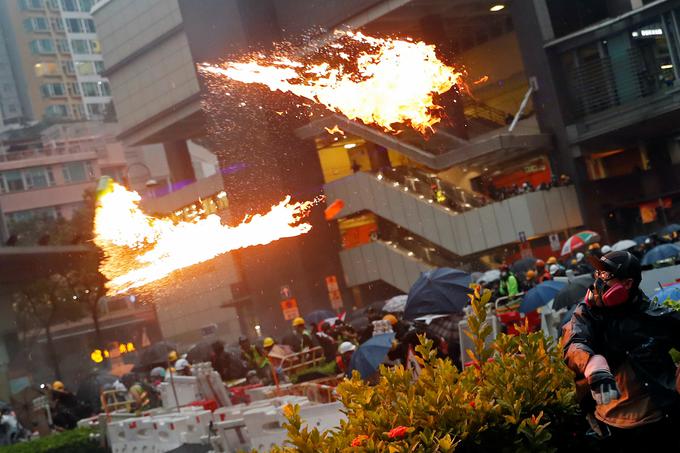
column 439, row 291
column 90, row 389
column 520, row 267
column 200, row 352
column 154, row 355
column 358, row 318
column 574, row 292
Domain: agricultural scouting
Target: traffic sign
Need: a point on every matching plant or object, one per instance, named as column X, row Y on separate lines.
column 336, row 299
column 290, row 309
column 522, row 237
column 332, row 283
column 554, row 242
column 285, row 292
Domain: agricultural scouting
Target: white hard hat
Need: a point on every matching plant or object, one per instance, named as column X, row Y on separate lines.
column 181, row 364
column 553, row 269
column 579, row 256
column 605, row 249
column 157, row 372
column 346, row 346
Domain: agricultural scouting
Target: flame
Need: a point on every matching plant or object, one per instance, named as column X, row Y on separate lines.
column 393, row 83
column 141, row 249
column 481, row 80
column 334, row 130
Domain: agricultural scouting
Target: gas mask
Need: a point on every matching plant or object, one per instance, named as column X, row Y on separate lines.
column 601, row 294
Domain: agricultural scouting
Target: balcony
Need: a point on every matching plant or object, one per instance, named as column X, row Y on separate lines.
column 462, row 233
column 381, row 261
column 13, row 160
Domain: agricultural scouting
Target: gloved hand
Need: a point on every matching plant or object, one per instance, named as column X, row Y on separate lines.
column 603, row 386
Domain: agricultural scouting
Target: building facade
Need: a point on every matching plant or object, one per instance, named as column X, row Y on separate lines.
column 56, row 59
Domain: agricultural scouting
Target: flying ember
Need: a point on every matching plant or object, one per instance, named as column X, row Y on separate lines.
column 393, row 82
column 141, row 249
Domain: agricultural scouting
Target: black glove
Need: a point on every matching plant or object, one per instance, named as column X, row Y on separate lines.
column 603, row 387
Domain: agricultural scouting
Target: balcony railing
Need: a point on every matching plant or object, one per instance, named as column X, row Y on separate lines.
column 607, row 82
column 36, row 153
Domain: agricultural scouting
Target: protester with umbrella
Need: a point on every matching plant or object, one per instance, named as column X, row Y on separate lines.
column 438, row 291
column 621, row 246
column 661, row 253
column 368, row 356
column 573, row 292
column 579, row 241
column 541, row 295
column 617, row 343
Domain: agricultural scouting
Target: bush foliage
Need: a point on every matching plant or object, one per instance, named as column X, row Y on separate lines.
column 74, row 441
column 518, row 396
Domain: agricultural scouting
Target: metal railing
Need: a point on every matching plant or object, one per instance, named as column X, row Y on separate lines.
column 479, row 110
column 607, row 82
column 34, row 153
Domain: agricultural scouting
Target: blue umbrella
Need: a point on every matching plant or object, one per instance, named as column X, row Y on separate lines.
column 660, row 252
column 670, row 292
column 669, row 229
column 439, row 291
column 318, row 316
column 640, row 239
column 540, row 295
column 368, row 357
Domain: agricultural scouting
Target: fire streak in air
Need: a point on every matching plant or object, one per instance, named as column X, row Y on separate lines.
column 392, row 83
column 141, row 249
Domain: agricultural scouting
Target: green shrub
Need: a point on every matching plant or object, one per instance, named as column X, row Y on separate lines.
column 74, row 441
column 517, row 397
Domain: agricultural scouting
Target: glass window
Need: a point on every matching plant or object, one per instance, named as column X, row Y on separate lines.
column 94, row 45
column 38, row 177
column 99, row 67
column 105, row 88
column 78, row 110
column 69, row 5
column 74, row 25
column 73, row 89
column 57, row 111
column 13, row 181
column 53, row 5
column 31, row 4
column 36, row 24
column 57, row 24
column 76, row 171
column 96, row 109
column 46, row 69
column 68, row 67
column 62, row 46
column 80, row 46
column 53, row 89
column 86, row 5
column 42, row 46
column 85, row 68
column 89, row 25
column 90, row 89
column 32, row 214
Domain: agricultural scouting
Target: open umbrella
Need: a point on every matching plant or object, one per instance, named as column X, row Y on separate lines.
column 490, row 276
column 669, row 229
column 540, row 295
column 318, row 316
column 368, row 357
column 579, row 240
column 520, row 267
column 438, row 291
column 624, row 245
column 659, row 253
column 573, row 292
column 670, row 292
column 200, row 352
column 640, row 239
column 358, row 318
column 154, row 355
column 396, row 304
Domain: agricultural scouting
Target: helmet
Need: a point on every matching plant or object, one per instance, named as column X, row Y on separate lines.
column 552, row 260
column 298, row 322
column 579, row 257
column 268, row 342
column 594, row 245
column 553, row 269
column 58, row 385
column 390, row 318
column 606, row 249
column 181, row 364
column 346, row 346
column 157, row 372
column 540, row 264
column 531, row 274
column 172, row 356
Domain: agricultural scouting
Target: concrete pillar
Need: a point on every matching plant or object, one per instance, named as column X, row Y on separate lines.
column 544, row 22
column 179, row 162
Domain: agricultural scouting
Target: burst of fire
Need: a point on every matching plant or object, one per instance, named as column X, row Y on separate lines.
column 393, row 83
column 141, row 249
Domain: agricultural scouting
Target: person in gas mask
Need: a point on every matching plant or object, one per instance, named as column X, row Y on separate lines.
column 617, row 343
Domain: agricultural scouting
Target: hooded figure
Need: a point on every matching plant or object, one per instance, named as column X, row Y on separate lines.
column 617, row 343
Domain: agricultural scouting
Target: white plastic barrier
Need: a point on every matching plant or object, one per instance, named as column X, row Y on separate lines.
column 186, row 388
column 169, row 431
column 230, row 436
column 198, row 425
column 322, row 416
column 265, row 427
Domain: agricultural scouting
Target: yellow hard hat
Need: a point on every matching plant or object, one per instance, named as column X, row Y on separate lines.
column 268, row 342
column 551, row 260
column 58, row 385
column 390, row 318
column 298, row 322
column 172, row 356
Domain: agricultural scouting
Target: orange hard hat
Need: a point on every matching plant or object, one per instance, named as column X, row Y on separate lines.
column 390, row 318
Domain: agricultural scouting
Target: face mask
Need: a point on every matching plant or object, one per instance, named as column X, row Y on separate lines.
column 600, row 294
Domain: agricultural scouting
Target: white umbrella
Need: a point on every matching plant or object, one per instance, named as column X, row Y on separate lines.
column 396, row 304
column 490, row 276
column 623, row 245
